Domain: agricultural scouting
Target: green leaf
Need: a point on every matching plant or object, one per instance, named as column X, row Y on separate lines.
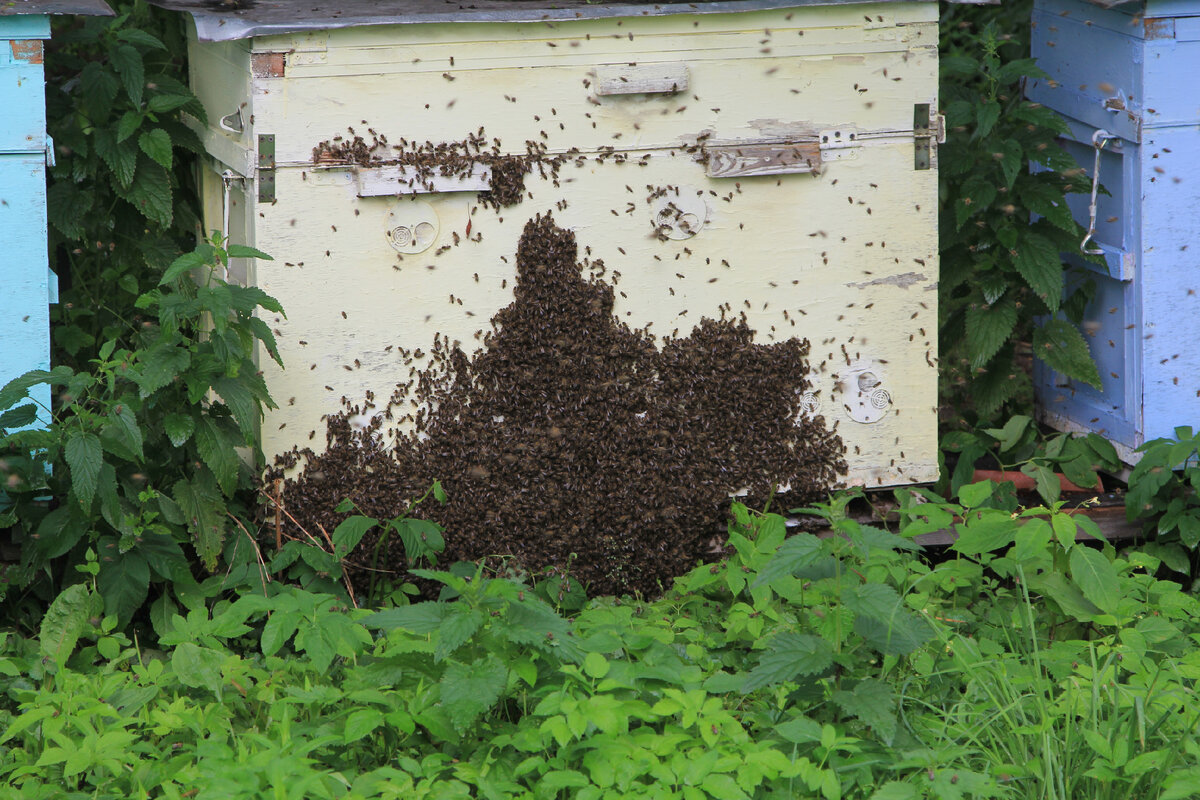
column 160, row 365
column 243, row 251
column 468, row 690
column 986, row 116
column 151, row 192
column 240, row 400
column 417, row 618
column 1064, row 349
column 18, row 417
column 205, row 512
column 984, row 534
column 871, row 702
column 123, row 431
column 1041, row 194
column 882, row 620
column 975, row 494
column 786, row 656
column 349, row 533
column 896, row 790
column 156, row 143
column 722, row 787
column 1056, row 586
column 1181, row 783
column 168, row 102
column 989, row 327
column 1012, row 160
column 1038, row 262
column 217, row 447
column 200, row 257
column 459, row 624
column 65, row 621
column 123, row 583
column 800, row 730
column 795, row 553
column 198, row 667
column 360, row 723
column 136, row 36
column 1096, row 577
column 179, row 427
column 84, row 457
column 128, row 62
column 120, row 157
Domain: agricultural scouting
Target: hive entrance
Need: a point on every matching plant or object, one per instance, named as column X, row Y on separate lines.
column 571, row 433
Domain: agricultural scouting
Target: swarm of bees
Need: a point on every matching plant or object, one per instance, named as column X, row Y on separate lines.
column 572, row 439
column 447, row 159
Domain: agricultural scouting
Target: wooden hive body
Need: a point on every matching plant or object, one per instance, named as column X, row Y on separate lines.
column 815, row 213
column 1125, row 69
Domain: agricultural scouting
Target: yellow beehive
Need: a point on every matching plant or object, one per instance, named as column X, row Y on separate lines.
column 779, row 162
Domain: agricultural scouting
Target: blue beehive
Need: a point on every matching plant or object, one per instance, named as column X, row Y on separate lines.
column 27, row 286
column 1125, row 74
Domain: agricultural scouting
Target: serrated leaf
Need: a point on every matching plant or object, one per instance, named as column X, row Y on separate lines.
column 871, row 702
column 1012, row 160
column 168, row 102
column 151, row 192
column 417, row 618
column 1042, row 195
column 1038, row 262
column 139, row 37
column 156, row 143
column 989, row 327
column 128, row 63
column 123, row 429
column 18, row 417
column 795, row 553
column 217, row 448
column 360, row 723
column 123, row 583
column 240, row 400
column 202, row 506
column 245, row 251
column 186, row 263
column 986, row 116
column 198, row 667
column 179, row 427
column 896, row 790
column 65, row 621
column 800, row 730
column 120, row 157
column 130, row 122
column 84, row 457
column 67, row 206
column 1064, row 349
column 349, row 533
column 1068, row 596
column 882, row 620
column 786, row 656
column 458, row 626
column 159, row 366
column 1096, row 578
column 468, row 690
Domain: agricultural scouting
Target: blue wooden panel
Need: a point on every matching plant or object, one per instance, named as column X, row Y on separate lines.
column 22, row 84
column 1141, row 330
column 24, row 299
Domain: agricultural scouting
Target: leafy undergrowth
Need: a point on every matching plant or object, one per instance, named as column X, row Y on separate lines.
column 1025, row 666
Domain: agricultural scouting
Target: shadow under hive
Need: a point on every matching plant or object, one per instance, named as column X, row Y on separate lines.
column 570, row 438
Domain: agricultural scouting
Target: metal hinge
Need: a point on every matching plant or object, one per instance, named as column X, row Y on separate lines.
column 922, row 137
column 266, row 168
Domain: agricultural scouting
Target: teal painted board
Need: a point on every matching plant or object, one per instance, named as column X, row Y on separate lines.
column 27, row 286
column 1127, row 75
column 24, row 303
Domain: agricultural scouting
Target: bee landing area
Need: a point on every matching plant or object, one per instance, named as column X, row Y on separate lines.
column 772, row 167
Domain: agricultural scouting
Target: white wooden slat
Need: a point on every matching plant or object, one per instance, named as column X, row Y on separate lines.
column 641, row 79
column 397, row 179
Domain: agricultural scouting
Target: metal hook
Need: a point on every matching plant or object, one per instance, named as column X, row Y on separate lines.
column 1099, row 139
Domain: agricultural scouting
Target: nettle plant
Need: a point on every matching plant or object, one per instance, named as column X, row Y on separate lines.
column 1163, row 491
column 142, row 455
column 121, row 199
column 1002, row 278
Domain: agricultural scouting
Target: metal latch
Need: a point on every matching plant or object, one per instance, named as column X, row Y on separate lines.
column 266, row 168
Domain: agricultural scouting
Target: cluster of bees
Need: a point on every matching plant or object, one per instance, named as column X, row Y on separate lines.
column 572, row 439
column 430, row 160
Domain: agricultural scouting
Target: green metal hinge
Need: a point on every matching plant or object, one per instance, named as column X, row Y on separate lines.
column 266, row 167
column 922, row 136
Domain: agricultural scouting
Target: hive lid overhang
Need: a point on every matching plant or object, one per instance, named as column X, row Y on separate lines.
column 89, row 8
column 243, row 20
